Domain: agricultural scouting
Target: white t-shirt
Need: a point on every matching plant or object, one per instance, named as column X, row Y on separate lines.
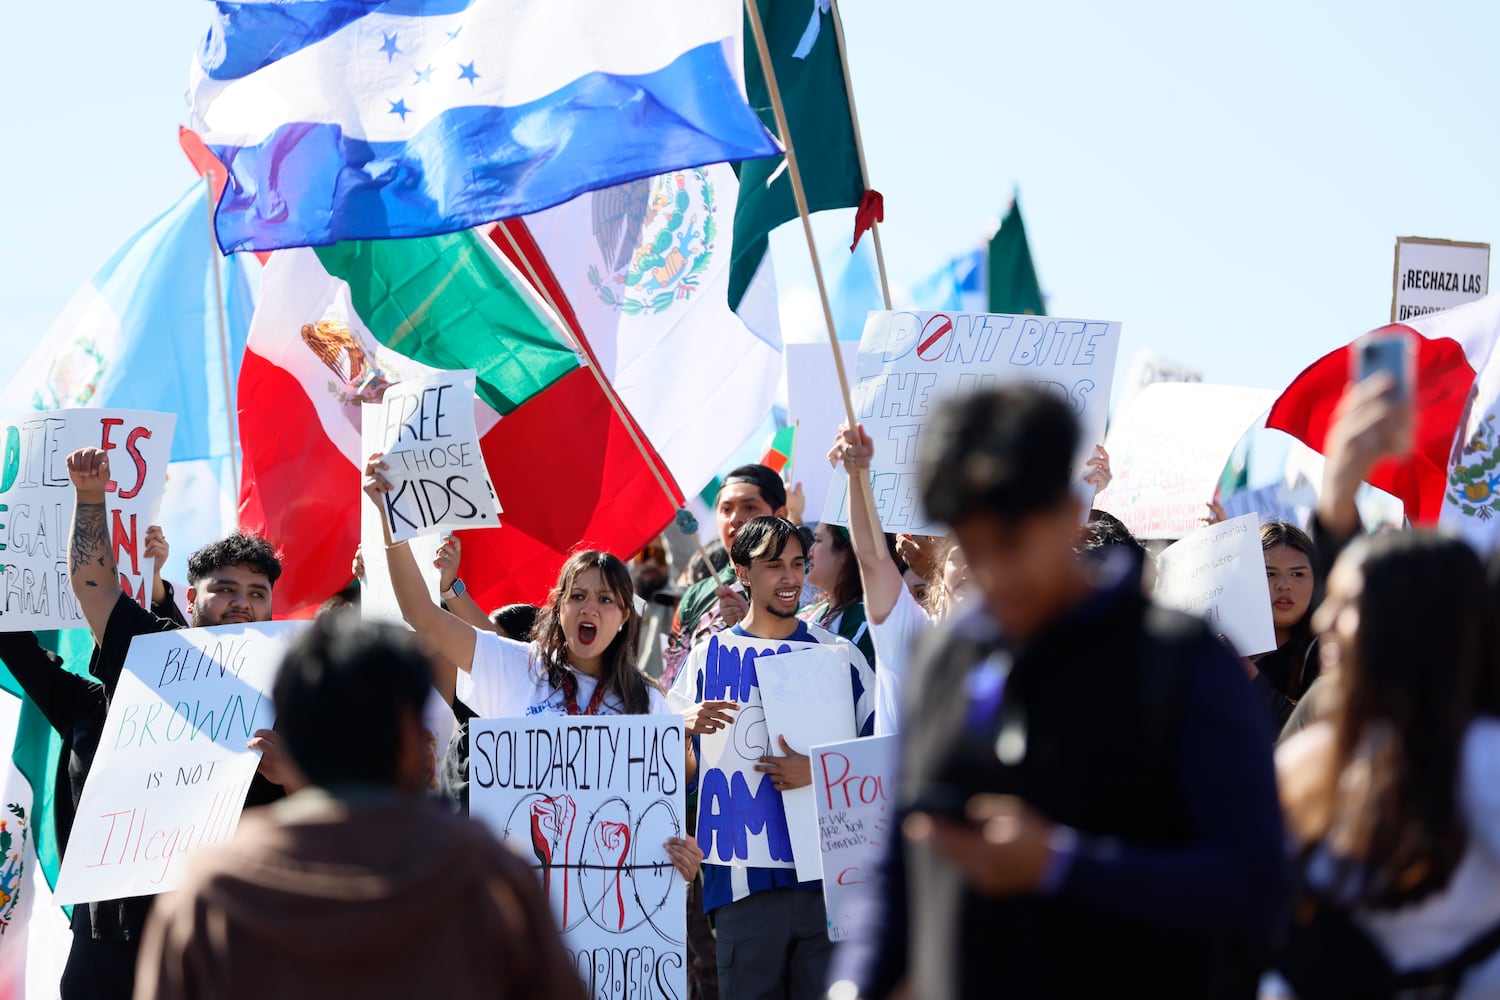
column 893, row 641
column 503, row 683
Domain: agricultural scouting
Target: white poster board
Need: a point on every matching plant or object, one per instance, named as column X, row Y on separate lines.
column 1149, row 368
column 1277, row 502
column 910, row 362
column 1433, row 275
column 741, row 818
column 172, row 770
column 1168, row 451
column 430, row 442
column 808, row 700
column 37, row 500
column 377, row 598
column 1218, row 573
column 854, row 786
column 816, row 406
column 589, row 803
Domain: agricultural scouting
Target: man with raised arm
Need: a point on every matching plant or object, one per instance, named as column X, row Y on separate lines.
column 229, row 581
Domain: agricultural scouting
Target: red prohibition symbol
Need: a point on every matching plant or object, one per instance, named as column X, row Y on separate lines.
column 933, row 343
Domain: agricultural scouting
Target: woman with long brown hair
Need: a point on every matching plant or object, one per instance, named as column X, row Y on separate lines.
column 1282, row 676
column 1392, row 800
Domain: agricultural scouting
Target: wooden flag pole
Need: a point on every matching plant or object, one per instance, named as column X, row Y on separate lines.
column 860, row 481
column 230, row 406
column 859, row 147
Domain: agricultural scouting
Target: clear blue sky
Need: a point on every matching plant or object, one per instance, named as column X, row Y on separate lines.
column 1226, row 182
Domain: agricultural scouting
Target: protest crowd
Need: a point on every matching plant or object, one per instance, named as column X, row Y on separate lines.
column 516, row 675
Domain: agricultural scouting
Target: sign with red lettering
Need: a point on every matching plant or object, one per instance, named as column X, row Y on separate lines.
column 589, row 802
column 910, row 362
column 854, row 785
column 36, row 506
column 430, row 441
column 172, row 770
column 1433, row 275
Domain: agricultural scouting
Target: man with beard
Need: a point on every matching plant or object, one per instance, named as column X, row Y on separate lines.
column 229, row 582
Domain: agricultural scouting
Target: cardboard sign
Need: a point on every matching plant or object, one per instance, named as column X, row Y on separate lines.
column 808, row 700
column 1433, row 275
column 37, row 500
column 1218, row 573
column 814, row 404
column 1168, row 450
column 854, row 787
column 589, row 802
column 911, row 362
column 428, row 436
column 741, row 816
column 172, row 770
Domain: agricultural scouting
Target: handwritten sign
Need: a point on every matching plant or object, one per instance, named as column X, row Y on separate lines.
column 1168, row 451
column 1277, row 502
column 430, row 442
column 37, row 499
column 1149, row 368
column 589, row 802
column 1219, row 574
column 1433, row 275
column 854, row 787
column 816, row 407
column 172, row 770
column 808, row 700
column 910, row 362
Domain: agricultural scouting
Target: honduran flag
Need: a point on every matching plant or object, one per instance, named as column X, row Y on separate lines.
column 359, row 119
column 1451, row 347
column 337, row 324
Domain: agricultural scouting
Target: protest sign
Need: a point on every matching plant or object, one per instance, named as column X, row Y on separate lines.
column 1277, row 502
column 36, row 506
column 1218, row 573
column 1168, row 450
column 172, row 770
column 808, row 700
column 1432, row 275
column 815, row 405
column 431, row 444
column 589, row 802
column 1149, row 368
column 854, row 787
column 741, row 817
column 910, row 362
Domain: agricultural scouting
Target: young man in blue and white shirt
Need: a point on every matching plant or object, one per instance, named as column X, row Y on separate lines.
column 772, row 929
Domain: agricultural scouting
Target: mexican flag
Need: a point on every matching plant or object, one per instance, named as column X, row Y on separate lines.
column 337, row 324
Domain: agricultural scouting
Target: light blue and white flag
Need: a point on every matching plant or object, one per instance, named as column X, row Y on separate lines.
column 367, row 119
column 957, row 285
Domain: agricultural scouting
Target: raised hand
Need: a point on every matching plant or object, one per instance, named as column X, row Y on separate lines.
column 448, row 556
column 88, row 468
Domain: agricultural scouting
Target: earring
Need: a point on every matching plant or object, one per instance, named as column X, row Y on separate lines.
column 621, row 628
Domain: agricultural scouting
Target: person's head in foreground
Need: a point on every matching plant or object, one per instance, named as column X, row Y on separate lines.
column 1406, row 632
column 770, row 558
column 997, row 467
column 230, row 581
column 349, row 700
column 590, row 622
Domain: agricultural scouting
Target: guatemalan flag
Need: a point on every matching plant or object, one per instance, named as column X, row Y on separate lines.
column 368, row 119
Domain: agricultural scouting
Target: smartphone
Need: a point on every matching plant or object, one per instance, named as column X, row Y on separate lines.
column 1386, row 351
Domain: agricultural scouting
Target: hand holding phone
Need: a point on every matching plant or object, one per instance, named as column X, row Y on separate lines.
column 1392, row 352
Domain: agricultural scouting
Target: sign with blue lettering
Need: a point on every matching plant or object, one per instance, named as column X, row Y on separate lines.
column 909, row 362
column 741, row 816
column 172, row 770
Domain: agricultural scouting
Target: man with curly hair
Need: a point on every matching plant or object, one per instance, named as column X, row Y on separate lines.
column 229, row 582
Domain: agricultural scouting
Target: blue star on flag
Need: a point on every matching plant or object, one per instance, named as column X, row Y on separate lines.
column 424, row 75
column 400, row 108
column 389, row 47
column 466, row 72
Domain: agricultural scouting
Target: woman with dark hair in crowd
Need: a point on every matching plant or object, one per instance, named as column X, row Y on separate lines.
column 1282, row 676
column 580, row 660
column 835, row 572
column 1392, row 799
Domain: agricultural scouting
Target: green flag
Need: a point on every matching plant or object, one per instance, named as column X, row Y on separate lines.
column 810, row 72
column 1013, row 285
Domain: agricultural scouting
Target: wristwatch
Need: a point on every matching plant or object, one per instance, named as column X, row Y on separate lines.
column 457, row 590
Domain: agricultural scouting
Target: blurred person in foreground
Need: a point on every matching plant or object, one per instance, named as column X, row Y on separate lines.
column 355, row 885
column 1088, row 804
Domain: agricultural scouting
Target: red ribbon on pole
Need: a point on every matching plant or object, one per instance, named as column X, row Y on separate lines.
column 871, row 210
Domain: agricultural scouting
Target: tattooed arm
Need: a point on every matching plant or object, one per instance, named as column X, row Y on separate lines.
column 91, row 556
